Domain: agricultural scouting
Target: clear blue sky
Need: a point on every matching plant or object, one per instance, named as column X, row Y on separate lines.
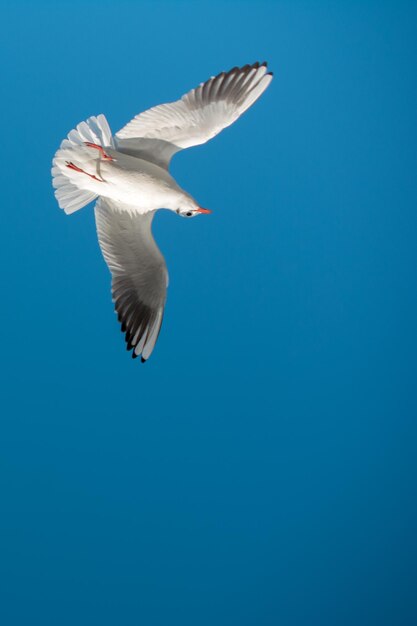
column 260, row 469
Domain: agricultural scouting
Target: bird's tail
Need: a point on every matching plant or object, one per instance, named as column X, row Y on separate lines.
column 74, row 190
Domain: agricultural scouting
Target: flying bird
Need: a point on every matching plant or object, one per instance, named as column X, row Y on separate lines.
column 128, row 176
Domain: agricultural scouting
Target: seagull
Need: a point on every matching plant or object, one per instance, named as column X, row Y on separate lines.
column 128, row 175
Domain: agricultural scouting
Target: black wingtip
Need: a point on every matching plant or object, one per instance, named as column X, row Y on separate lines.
column 142, row 359
column 134, row 355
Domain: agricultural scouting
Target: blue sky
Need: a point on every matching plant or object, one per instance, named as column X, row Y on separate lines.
column 261, row 467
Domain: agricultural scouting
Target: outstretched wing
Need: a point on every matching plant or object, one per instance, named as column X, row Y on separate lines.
column 139, row 274
column 160, row 132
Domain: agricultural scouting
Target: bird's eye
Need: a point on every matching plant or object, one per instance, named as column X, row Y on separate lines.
column 188, row 214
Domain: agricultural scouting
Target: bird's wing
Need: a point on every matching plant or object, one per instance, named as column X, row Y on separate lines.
column 139, row 274
column 199, row 115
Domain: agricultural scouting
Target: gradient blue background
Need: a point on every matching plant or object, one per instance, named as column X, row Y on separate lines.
column 260, row 469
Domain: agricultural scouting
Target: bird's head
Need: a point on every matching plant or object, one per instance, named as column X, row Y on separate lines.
column 189, row 208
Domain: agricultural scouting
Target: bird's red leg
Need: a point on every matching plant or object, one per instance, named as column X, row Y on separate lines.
column 105, row 156
column 71, row 166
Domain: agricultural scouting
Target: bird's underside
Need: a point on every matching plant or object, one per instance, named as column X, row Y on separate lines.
column 128, row 176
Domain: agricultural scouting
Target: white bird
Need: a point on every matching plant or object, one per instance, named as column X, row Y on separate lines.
column 128, row 173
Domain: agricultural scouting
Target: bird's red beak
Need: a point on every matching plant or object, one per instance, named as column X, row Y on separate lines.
column 201, row 210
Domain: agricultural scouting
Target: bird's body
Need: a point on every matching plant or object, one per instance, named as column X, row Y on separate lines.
column 128, row 173
column 140, row 184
